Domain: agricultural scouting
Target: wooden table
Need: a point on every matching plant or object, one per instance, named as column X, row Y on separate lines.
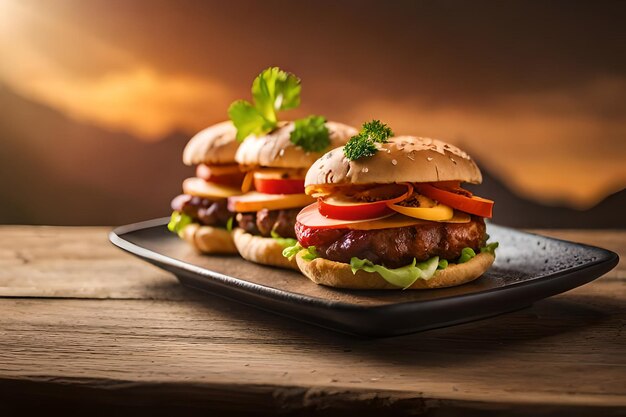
column 82, row 321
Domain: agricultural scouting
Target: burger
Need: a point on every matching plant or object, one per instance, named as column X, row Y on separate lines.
column 392, row 213
column 200, row 214
column 276, row 164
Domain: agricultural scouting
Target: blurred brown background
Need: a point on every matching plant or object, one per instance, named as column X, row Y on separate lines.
column 98, row 98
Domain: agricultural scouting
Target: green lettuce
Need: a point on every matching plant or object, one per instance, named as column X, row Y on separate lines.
column 178, row 222
column 311, row 254
column 285, row 242
column 466, row 255
column 402, row 277
column 490, row 248
column 291, row 251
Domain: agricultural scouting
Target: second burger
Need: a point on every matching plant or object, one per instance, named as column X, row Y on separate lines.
column 275, row 157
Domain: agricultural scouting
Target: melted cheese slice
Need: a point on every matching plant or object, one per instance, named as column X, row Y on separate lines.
column 201, row 188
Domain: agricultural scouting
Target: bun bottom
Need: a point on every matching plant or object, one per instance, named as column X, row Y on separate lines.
column 207, row 239
column 261, row 250
column 339, row 275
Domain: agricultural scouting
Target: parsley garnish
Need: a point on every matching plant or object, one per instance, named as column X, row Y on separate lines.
column 311, row 134
column 363, row 144
column 359, row 147
column 377, row 131
column 274, row 90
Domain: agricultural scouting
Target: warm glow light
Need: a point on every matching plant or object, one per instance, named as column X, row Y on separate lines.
column 546, row 144
column 141, row 101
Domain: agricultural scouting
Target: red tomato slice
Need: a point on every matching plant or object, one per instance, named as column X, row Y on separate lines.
column 473, row 205
column 310, row 216
column 352, row 211
column 349, row 209
column 279, row 186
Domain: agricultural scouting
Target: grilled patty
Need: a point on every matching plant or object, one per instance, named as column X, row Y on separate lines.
column 396, row 247
column 263, row 222
column 202, row 210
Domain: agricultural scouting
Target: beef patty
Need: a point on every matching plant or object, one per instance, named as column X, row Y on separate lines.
column 265, row 221
column 202, row 210
column 396, row 247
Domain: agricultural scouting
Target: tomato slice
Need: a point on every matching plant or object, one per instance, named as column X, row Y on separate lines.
column 255, row 201
column 279, row 186
column 345, row 208
column 310, row 217
column 473, row 205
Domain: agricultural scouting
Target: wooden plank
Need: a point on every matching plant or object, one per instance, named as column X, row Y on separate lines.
column 562, row 355
column 77, row 262
column 565, row 352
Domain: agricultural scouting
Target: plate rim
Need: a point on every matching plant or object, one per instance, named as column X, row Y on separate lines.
column 284, row 295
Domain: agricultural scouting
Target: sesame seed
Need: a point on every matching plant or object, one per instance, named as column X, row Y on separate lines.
column 393, row 161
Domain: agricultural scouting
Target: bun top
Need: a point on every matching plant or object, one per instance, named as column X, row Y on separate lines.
column 402, row 159
column 214, row 145
column 277, row 151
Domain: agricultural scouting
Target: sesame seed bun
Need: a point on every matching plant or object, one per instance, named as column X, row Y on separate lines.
column 277, row 151
column 402, row 159
column 214, row 145
column 339, row 275
column 207, row 239
column 261, row 250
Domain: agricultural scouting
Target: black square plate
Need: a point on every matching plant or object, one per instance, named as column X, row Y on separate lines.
column 528, row 268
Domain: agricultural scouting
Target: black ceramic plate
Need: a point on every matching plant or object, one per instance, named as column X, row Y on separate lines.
column 528, row 268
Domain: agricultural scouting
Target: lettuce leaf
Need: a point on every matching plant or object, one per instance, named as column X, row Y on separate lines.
column 311, row 254
column 466, row 255
column 285, row 242
column 178, row 222
column 402, row 277
column 291, row 251
column 490, row 248
column 229, row 224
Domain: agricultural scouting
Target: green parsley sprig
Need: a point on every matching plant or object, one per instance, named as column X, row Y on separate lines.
column 274, row 90
column 363, row 144
column 311, row 134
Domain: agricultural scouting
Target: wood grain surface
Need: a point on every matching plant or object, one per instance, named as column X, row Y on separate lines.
column 80, row 320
